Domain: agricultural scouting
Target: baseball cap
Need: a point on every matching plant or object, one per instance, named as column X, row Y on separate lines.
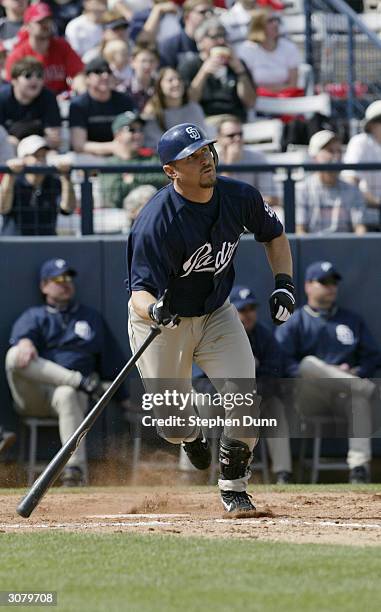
column 30, row 145
column 55, row 267
column 98, row 64
column 320, row 270
column 372, row 112
column 320, row 140
column 37, row 12
column 124, row 119
column 241, row 297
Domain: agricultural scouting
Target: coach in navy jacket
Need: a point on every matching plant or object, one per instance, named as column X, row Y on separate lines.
column 323, row 341
column 56, row 351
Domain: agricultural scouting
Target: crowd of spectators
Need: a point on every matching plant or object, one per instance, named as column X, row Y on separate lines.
column 69, row 69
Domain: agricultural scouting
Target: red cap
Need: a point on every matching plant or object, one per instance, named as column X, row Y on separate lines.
column 37, row 12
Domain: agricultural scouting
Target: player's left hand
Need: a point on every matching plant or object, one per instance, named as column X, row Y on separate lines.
column 160, row 314
column 282, row 299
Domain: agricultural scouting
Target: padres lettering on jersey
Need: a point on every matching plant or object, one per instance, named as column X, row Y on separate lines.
column 189, row 247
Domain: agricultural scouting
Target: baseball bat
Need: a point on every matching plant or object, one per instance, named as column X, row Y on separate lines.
column 55, row 467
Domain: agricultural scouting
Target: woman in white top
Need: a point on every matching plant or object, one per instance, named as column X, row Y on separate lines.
column 169, row 106
column 272, row 60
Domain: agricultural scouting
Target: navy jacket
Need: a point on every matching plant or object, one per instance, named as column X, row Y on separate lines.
column 189, row 247
column 340, row 337
column 76, row 339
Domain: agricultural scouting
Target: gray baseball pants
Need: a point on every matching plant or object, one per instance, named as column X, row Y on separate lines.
column 44, row 388
column 317, row 398
column 218, row 344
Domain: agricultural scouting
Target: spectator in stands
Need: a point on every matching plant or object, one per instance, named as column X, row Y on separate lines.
column 92, row 113
column 61, row 63
column 27, row 107
column 269, row 369
column 64, row 11
column 114, row 28
column 176, row 48
column 85, row 32
column 217, row 78
column 156, row 24
column 363, row 148
column 6, row 149
column 30, row 203
column 57, row 352
column 332, row 349
column 169, row 106
column 12, row 22
column 231, row 150
column 135, row 201
column 116, row 55
column 128, row 147
column 140, row 85
column 7, row 438
column 325, row 203
column 272, row 59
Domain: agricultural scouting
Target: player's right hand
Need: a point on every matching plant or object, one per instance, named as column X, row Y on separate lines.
column 160, row 314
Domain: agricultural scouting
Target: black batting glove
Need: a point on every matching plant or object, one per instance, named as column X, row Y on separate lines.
column 282, row 299
column 160, row 314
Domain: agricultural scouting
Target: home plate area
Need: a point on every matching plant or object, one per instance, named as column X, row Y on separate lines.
column 340, row 517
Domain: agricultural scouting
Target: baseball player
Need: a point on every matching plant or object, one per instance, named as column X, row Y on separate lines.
column 180, row 262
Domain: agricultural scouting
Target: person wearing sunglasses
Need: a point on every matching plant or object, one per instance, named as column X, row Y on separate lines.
column 231, row 150
column 58, row 350
column 176, row 48
column 216, row 78
column 333, row 353
column 129, row 148
column 27, row 107
column 92, row 113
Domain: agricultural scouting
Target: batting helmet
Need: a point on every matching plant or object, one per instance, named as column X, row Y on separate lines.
column 182, row 140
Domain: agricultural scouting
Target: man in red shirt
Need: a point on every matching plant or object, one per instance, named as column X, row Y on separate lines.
column 61, row 62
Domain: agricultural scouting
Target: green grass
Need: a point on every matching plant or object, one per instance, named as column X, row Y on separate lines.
column 119, row 571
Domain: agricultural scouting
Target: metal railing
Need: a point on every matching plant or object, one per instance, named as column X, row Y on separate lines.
column 348, row 53
column 288, row 180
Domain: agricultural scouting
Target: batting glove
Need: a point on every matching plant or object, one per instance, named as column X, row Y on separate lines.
column 282, row 299
column 160, row 314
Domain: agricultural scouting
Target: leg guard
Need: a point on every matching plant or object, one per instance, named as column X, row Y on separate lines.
column 234, row 458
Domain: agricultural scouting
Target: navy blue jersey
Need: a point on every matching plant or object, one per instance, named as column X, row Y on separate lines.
column 76, row 338
column 340, row 337
column 188, row 247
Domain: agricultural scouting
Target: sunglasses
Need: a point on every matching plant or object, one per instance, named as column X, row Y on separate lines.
column 328, row 281
column 101, row 71
column 233, row 135
column 33, row 73
column 270, row 19
column 62, row 278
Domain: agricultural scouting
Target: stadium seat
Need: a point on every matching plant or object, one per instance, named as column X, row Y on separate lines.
column 316, row 463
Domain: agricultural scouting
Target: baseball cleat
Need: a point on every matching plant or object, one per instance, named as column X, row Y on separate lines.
column 283, row 477
column 198, row 452
column 237, row 501
column 72, row 477
column 7, row 438
column 360, row 475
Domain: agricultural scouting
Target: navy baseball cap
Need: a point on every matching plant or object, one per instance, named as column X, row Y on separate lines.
column 321, row 270
column 55, row 267
column 241, row 297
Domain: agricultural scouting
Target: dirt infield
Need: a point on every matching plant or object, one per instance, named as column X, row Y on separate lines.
column 346, row 517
